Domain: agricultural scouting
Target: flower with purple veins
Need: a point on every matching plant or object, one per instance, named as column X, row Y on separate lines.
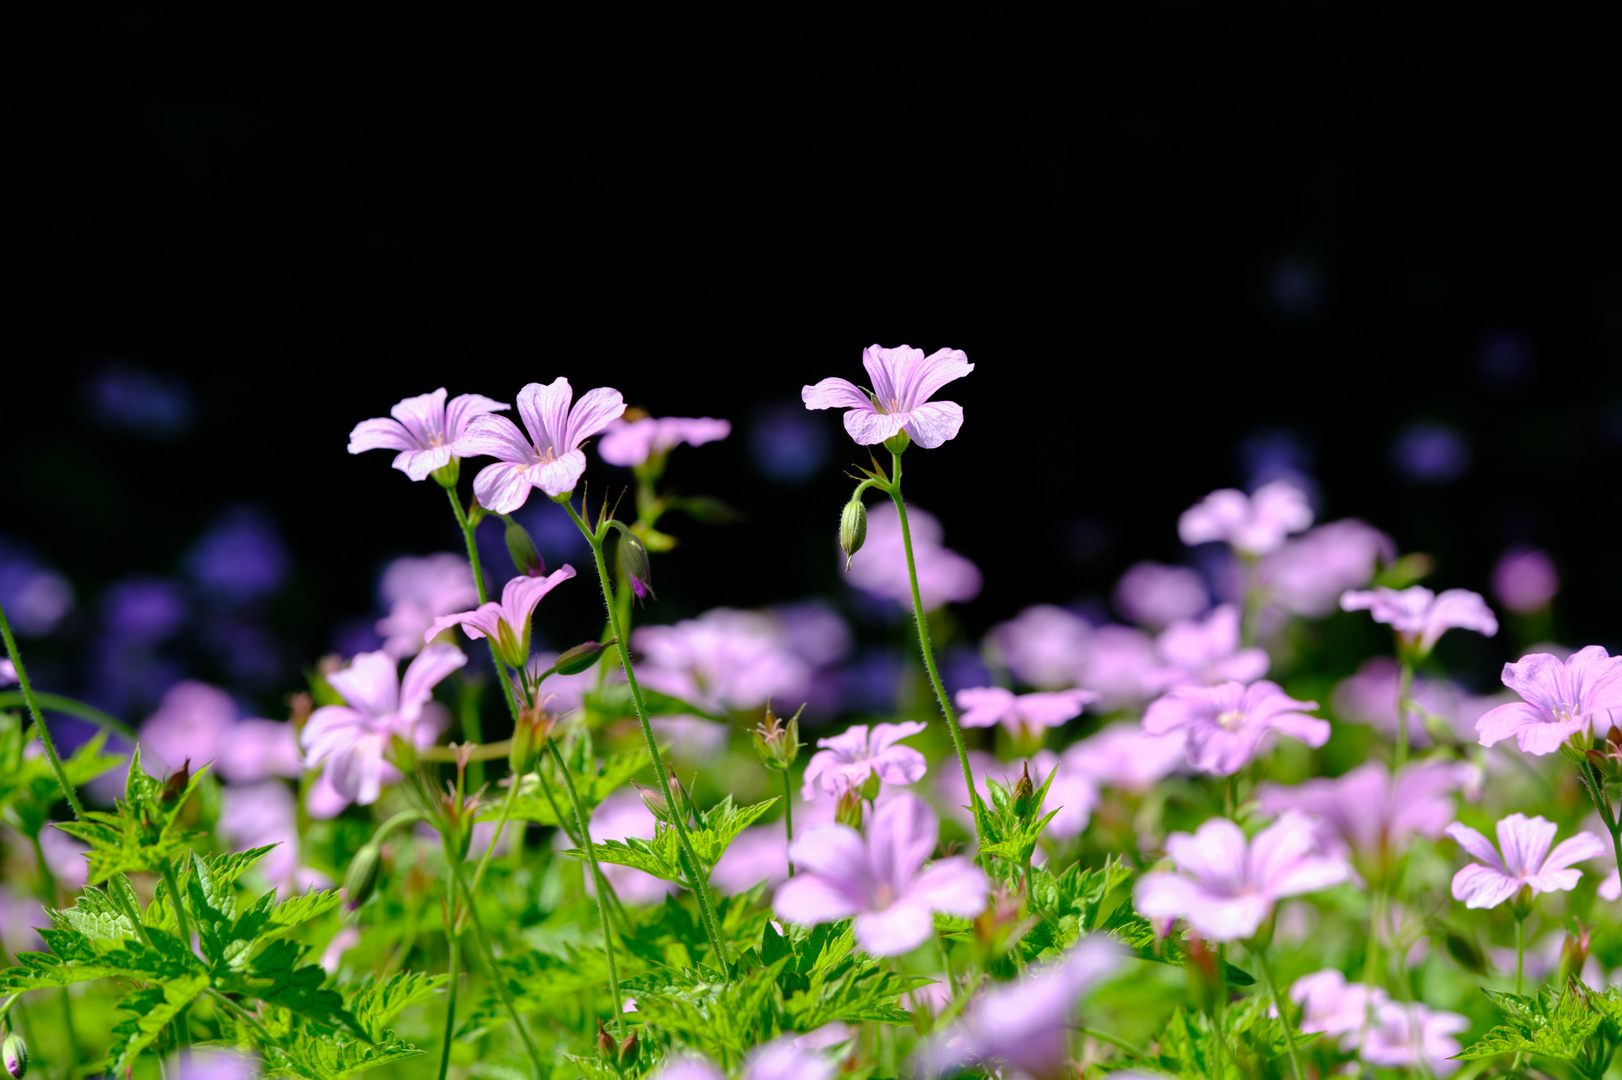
column 631, row 443
column 880, row 880
column 1409, row 1035
column 904, row 380
column 1368, row 812
column 424, row 430
column 1526, row 861
column 1419, row 616
column 846, row 761
column 418, row 591
column 550, row 458
column 1225, row 887
column 505, row 623
column 1227, row 725
column 1559, row 700
column 1203, row 652
column 1022, row 715
column 1250, row 524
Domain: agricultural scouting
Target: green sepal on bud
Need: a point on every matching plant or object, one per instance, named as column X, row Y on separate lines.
column 512, row 645
column 534, row 727
column 1024, row 791
column 582, row 657
column 848, row 811
column 898, row 443
column 448, row 474
column 15, row 1056
column 361, row 879
column 607, row 1048
column 521, row 548
column 777, row 744
column 633, row 562
column 654, row 800
column 852, row 528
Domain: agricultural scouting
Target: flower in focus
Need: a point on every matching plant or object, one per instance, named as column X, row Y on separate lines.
column 351, row 739
column 418, row 591
column 1525, row 580
column 1333, row 1006
column 846, row 761
column 904, row 380
column 1073, row 794
column 1155, row 595
column 880, row 880
column 1228, row 724
column 1224, row 887
column 506, row 623
column 1558, row 699
column 1023, row 715
column 1125, row 756
column 1420, row 617
column 1040, row 645
column 424, row 430
column 724, row 659
column 1308, row 574
column 1527, row 861
column 1368, row 812
column 1024, row 1026
column 880, row 567
column 1251, row 524
column 1203, row 652
column 550, row 458
column 632, row 442
column 1410, row 1036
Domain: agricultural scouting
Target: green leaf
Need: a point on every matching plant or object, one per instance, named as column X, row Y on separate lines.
column 1534, row 1027
column 720, row 825
column 592, row 783
column 319, row 1056
column 377, row 1001
column 153, row 1009
column 275, row 976
column 145, row 831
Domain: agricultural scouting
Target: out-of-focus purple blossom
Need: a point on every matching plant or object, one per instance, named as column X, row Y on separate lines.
column 880, row 567
column 1407, row 1035
column 1228, row 725
column 253, row 750
column 351, row 636
column 254, row 815
column 1525, row 580
column 1276, row 453
column 65, row 858
column 904, row 380
column 1369, row 696
column 1419, row 616
column 199, row 722
column 632, row 442
column 690, row 738
column 1431, row 453
column 1023, row 1028
column 1042, row 645
column 724, row 659
column 813, row 631
column 1023, row 715
column 1333, row 1006
column 785, row 1059
column 8, row 672
column 845, row 761
column 1526, row 861
column 425, row 430
column 962, row 667
column 418, row 591
column 1203, row 652
column 687, row 1067
column 1367, row 812
column 240, row 558
column 20, row 917
column 1120, row 665
column 36, row 599
column 247, row 648
column 550, row 457
column 1127, row 757
column 880, row 880
column 144, row 609
column 131, row 400
column 1308, row 574
column 212, row 1063
column 786, row 445
column 760, row 852
column 620, row 817
column 332, row 957
column 1154, row 595
column 1252, row 524
column 1558, row 699
column 1225, row 887
column 1073, row 793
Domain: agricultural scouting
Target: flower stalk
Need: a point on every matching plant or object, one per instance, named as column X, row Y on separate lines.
column 39, row 718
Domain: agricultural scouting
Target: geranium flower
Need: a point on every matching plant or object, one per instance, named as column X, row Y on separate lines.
column 847, row 760
column 1119, row 663
column 904, row 379
column 632, row 442
column 880, row 568
column 724, row 659
column 1308, row 573
column 1225, row 888
column 1525, row 580
column 418, row 591
column 1419, row 616
column 1228, row 724
column 1125, row 756
column 1155, row 595
column 8, row 673
column 1252, row 524
column 550, row 458
column 1560, row 699
column 1023, row 715
column 505, row 623
column 1041, row 645
column 880, row 880
column 1527, row 861
column 1367, row 811
column 1203, row 652
column 352, row 738
column 1333, row 1006
column 1410, row 1035
column 197, row 721
column 425, row 430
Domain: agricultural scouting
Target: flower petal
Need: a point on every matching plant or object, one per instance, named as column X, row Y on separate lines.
column 931, row 424
column 921, row 379
column 869, row 427
column 1506, row 721
column 545, row 412
column 899, row 928
column 983, row 706
column 1476, row 844
column 834, row 394
column 503, row 487
column 558, row 477
column 423, row 416
column 1229, row 918
column 955, row 886
column 463, row 408
column 431, row 665
column 595, row 410
column 497, row 437
column 1483, row 887
column 380, row 434
column 1214, row 853
column 417, row 464
column 831, row 851
column 808, row 899
column 370, row 683
column 903, row 834
column 1576, row 848
column 1523, row 842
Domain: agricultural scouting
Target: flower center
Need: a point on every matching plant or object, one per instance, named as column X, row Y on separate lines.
column 1565, row 713
column 1231, row 719
column 884, row 895
column 546, row 455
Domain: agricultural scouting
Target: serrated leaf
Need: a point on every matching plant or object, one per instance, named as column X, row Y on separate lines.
column 378, row 1001
column 143, row 834
column 153, row 1008
column 720, row 825
column 1533, row 1027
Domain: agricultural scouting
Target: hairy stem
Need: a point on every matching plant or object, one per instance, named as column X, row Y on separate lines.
column 1520, row 952
column 598, row 880
column 44, row 732
column 788, row 816
column 58, row 703
column 1283, row 1013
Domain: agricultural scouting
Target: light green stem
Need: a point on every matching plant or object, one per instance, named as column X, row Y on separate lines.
column 1283, row 1013
column 450, row 1005
column 488, row 955
column 597, row 879
column 183, row 924
column 1405, row 689
column 788, row 816
column 1520, row 952
column 58, row 703
column 44, row 732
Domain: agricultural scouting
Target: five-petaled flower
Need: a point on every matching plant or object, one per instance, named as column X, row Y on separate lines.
column 1023, row 715
column 1228, row 724
column 904, row 379
column 1526, row 862
column 425, row 430
column 506, row 623
column 633, row 442
column 1560, row 699
column 1250, row 524
column 550, row 458
column 1419, row 616
column 846, row 761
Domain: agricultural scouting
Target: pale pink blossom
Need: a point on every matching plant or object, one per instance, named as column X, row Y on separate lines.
column 880, row 567
column 622, row 816
column 1333, row 1006
column 633, row 442
column 21, row 917
column 1308, row 574
column 424, row 430
column 1127, row 757
column 1155, row 595
column 1369, row 813
column 507, row 622
column 418, row 591
column 65, row 857
column 846, row 761
column 1042, row 645
column 199, row 722
column 1225, row 887
column 332, row 957
column 904, row 380
column 1369, row 696
column 880, row 880
column 1526, row 861
column 760, row 852
column 1251, row 524
column 724, row 659
column 254, row 815
column 550, row 457
column 1228, row 725
column 1203, row 652
column 1558, row 699
column 1022, row 715
column 1073, row 794
column 1525, row 580
column 8, row 672
column 213, row 1063
column 690, row 739
column 1120, row 665
column 1419, row 616
column 1408, row 1035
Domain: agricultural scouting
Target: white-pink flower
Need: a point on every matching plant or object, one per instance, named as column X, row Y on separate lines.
column 1206, row 651
column 1333, row 1006
column 880, row 567
column 1022, row 715
column 550, row 458
column 632, row 442
column 1559, row 699
column 1419, row 616
column 424, row 430
column 506, row 622
column 1410, row 1035
column 1125, row 756
column 8, row 672
column 1252, row 524
column 1042, row 645
column 1228, row 725
column 846, row 761
column 418, row 591
column 904, row 380
column 1526, row 861
column 724, row 659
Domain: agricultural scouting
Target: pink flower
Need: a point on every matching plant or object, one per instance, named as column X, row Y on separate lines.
column 1120, row 664
column 352, row 738
column 724, row 659
column 1023, row 715
column 633, row 442
column 418, row 591
column 1369, row 696
column 1228, row 724
column 846, row 761
column 904, row 380
column 550, row 458
column 1527, row 861
column 880, row 567
column 619, row 817
column 1419, row 616
column 505, row 623
column 253, row 815
column 1254, row 524
column 1525, row 580
column 1367, row 811
column 760, row 852
column 1041, row 644
column 1560, row 699
column 1226, row 888
column 199, row 722
column 1307, row 575
column 880, row 881
column 425, row 430
column 1156, row 596
column 1073, row 793
column 21, row 916
column 1408, row 1036
column 66, row 858
column 1333, row 1006
column 1206, row 651
column 8, row 672
column 1125, row 756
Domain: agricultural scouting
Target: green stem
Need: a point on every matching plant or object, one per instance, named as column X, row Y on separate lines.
column 699, row 883
column 1104, row 1036
column 1405, row 689
column 47, row 882
column 597, row 879
column 894, row 488
column 1520, row 952
column 58, row 703
column 183, row 924
column 1371, row 956
column 1218, row 1008
column 788, row 816
column 468, row 714
column 481, row 939
column 1283, row 1013
column 450, row 1000
column 44, row 732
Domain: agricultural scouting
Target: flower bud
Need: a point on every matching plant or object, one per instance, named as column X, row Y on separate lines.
column 529, row 740
column 1024, row 793
column 512, row 644
column 447, row 475
column 628, row 1050
column 606, row 1046
column 654, row 800
column 15, row 1056
column 776, row 744
column 1466, row 953
column 848, row 811
column 1521, row 905
column 361, row 880
column 633, row 560
column 1574, row 953
column 581, row 658
column 460, row 814
column 526, row 560
column 175, row 784
column 852, row 529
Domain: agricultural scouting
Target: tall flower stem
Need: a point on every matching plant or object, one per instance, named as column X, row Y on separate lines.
column 597, row 879
column 490, row 848
column 39, row 719
column 1595, row 783
column 1405, row 690
column 1520, row 953
column 699, row 883
column 1283, row 1014
column 482, row 940
column 183, row 924
column 788, row 816
column 455, row 969
column 1371, row 956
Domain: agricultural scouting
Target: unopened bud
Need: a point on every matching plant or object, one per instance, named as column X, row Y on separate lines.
column 852, row 529
column 459, row 816
column 1614, row 736
column 582, row 657
column 449, row 473
column 848, row 811
column 654, row 800
column 15, row 1056
column 633, row 559
column 529, row 740
column 1204, row 981
column 512, row 643
column 1521, row 905
column 1467, row 953
column 1024, row 792
column 526, row 560
column 175, row 785
column 777, row 744
column 628, row 1050
column 606, row 1046
column 361, row 880
column 1574, row 953
column 299, row 708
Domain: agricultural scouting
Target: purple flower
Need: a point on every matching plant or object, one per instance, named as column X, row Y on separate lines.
column 65, row 857
column 1125, row 756
column 687, row 1067
column 1525, row 580
column 1023, row 715
column 785, row 444
column 880, row 567
column 1307, row 575
column 1228, row 724
column 1527, row 861
column 1041, row 644
column 880, row 881
column 143, row 609
column 724, row 659
column 1206, row 651
column 847, row 760
column 1155, row 595
column 199, row 722
column 904, row 380
column 1407, row 1036
column 813, row 631
column 352, row 738
column 1023, row 1027
column 505, row 623
column 425, row 430
column 1120, row 664
column 1073, row 794
column 1369, row 696
column 550, row 458
column 1419, row 616
column 253, row 815
column 1369, row 813
column 35, row 599
column 418, row 591
column 332, row 957
column 1333, row 1006
column 633, row 442
column 690, row 739
column 1559, row 699
column 241, row 558
column 8, row 673
column 212, row 1063
column 786, row 1058
column 21, row 916
column 620, row 817
column 1226, row 888
column 1251, row 524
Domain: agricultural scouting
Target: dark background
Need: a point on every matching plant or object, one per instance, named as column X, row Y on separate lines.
column 1181, row 246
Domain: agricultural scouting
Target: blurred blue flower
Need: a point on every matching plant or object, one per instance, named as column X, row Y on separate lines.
column 1505, row 359
column 1429, row 452
column 240, row 558
column 249, row 652
column 1296, row 287
column 1277, row 453
column 129, row 399
column 961, row 666
column 36, row 599
column 786, row 443
column 143, row 609
column 872, row 681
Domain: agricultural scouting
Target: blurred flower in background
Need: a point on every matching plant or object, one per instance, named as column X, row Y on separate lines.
column 880, row 567
column 1525, row 580
column 1154, row 595
column 787, row 445
column 1428, row 452
column 416, row 591
column 35, row 597
column 130, row 400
